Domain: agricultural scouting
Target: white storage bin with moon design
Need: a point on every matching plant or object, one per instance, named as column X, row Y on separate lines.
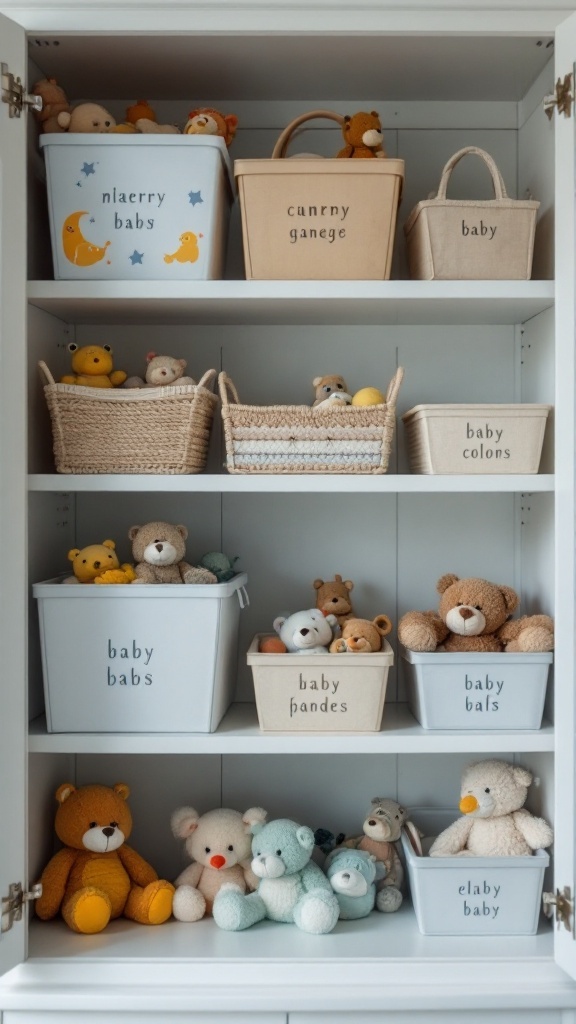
column 138, row 207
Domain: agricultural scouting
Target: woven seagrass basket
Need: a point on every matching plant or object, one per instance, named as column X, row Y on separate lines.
column 135, row 430
column 300, row 439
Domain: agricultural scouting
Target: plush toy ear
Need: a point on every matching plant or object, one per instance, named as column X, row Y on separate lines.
column 150, row 356
column 522, row 776
column 383, row 624
column 375, row 113
column 231, row 122
column 446, row 581
column 64, row 118
column 107, row 348
column 133, row 531
column 317, row 584
column 257, row 827
column 510, row 598
column 72, row 346
column 305, row 837
column 184, row 822
column 182, row 363
column 348, row 584
column 380, row 871
column 122, row 790
column 183, row 531
column 278, row 623
column 316, row 382
column 347, row 120
column 72, row 554
column 253, row 816
column 64, row 791
column 109, row 544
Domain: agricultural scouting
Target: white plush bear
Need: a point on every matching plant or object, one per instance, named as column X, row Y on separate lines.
column 495, row 822
column 308, row 632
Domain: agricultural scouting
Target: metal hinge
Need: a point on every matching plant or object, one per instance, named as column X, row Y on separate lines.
column 13, row 903
column 562, row 98
column 564, row 906
column 14, row 94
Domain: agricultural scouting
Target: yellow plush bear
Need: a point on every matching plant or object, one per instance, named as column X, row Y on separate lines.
column 98, row 563
column 96, row 877
column 93, row 367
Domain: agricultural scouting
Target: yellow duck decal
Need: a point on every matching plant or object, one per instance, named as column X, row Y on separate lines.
column 188, row 251
column 78, row 249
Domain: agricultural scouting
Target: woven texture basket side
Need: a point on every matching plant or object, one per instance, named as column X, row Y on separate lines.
column 148, row 430
column 299, row 439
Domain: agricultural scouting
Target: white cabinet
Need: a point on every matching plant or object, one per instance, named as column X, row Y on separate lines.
column 440, row 81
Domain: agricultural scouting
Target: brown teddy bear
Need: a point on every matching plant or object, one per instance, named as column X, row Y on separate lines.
column 363, row 136
column 207, row 121
column 87, row 117
column 333, row 598
column 333, row 388
column 382, row 828
column 54, row 102
column 96, row 877
column 472, row 616
column 361, row 636
column 159, row 550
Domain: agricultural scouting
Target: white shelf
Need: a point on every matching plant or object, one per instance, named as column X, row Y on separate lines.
column 239, row 733
column 293, row 302
column 317, row 483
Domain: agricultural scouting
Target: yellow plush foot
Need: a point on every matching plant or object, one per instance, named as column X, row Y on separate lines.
column 87, row 911
column 160, row 906
column 152, row 905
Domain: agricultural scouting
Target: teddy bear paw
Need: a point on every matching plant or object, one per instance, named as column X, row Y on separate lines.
column 317, row 912
column 196, row 574
column 188, row 904
column 388, row 899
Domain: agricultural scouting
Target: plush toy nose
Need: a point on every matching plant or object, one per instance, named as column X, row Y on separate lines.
column 217, row 861
column 96, row 565
column 159, row 547
column 108, row 831
column 96, row 360
column 468, row 804
column 372, row 822
column 466, row 613
column 304, row 632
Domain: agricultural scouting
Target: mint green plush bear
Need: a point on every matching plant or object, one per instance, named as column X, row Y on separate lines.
column 292, row 888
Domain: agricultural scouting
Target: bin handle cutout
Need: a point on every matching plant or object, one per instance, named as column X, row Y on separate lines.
column 243, row 599
column 497, row 180
column 281, row 146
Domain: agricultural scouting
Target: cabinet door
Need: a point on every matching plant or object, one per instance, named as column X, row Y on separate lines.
column 565, row 693
column 13, row 585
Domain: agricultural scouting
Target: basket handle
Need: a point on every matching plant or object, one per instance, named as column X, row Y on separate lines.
column 227, row 389
column 281, row 146
column 207, row 381
column 394, row 387
column 45, row 372
column 497, row 180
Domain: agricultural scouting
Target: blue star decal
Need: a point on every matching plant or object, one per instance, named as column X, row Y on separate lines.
column 195, row 197
column 79, row 184
column 136, row 257
column 92, row 220
column 87, row 169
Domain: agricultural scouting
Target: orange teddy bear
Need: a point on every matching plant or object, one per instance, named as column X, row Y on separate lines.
column 363, row 136
column 96, row 876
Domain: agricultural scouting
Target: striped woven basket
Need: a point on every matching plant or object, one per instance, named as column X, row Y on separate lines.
column 299, row 439
column 133, row 430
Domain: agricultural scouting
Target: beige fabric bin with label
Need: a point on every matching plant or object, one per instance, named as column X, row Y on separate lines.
column 467, row 240
column 316, row 218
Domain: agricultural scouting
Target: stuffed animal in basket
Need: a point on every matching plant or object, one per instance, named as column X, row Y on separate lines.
column 292, row 888
column 98, row 563
column 54, row 102
column 96, row 876
column 381, row 831
column 93, row 367
column 220, row 844
column 363, row 136
column 306, row 632
column 353, row 875
column 362, row 636
column 329, row 391
column 160, row 372
column 207, row 121
column 473, row 616
column 219, row 563
column 87, row 117
column 333, row 598
column 495, row 822
column 159, row 550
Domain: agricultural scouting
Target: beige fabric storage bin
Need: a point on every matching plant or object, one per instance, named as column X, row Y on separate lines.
column 132, row 430
column 300, row 439
column 475, row 438
column 318, row 219
column 320, row 692
column 467, row 240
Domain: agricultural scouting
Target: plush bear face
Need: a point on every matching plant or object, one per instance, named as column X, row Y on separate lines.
column 95, row 818
column 333, row 597
column 158, row 543
column 54, row 99
column 384, row 820
column 492, row 788
column 207, row 121
column 87, row 117
column 351, row 872
column 324, row 387
column 364, row 635
column 140, row 109
column 363, row 129
column 281, row 848
column 163, row 370
column 91, row 359
column 91, row 561
column 219, row 839
column 306, row 630
column 471, row 607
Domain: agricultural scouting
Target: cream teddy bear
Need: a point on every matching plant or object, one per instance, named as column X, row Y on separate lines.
column 161, row 372
column 495, row 822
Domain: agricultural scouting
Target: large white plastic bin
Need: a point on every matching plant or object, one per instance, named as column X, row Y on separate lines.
column 138, row 207
column 320, row 692
column 475, row 895
column 453, row 690
column 158, row 658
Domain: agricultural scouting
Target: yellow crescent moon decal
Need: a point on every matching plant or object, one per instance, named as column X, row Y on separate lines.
column 78, row 249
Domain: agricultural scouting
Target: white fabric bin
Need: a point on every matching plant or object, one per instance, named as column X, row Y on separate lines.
column 475, row 895
column 138, row 207
column 466, row 691
column 320, row 692
column 136, row 658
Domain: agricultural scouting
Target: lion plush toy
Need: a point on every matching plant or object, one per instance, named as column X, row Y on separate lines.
column 363, row 136
column 96, row 877
column 207, row 121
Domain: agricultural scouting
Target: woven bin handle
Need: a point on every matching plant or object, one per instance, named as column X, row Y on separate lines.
column 282, row 143
column 394, row 387
column 497, row 181
column 227, row 389
column 49, row 379
column 207, row 381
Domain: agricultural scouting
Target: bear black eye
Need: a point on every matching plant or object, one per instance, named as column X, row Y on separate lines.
column 478, row 607
column 230, row 848
column 92, row 824
column 340, row 387
column 487, row 790
column 207, row 849
column 83, row 561
column 113, row 824
column 278, row 853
